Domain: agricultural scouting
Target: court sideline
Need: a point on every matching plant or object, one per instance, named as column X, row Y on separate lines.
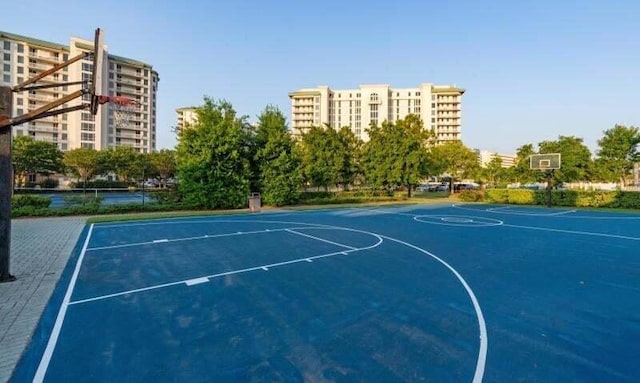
column 40, row 249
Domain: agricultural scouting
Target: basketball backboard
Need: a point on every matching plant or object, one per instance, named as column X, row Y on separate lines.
column 547, row 161
column 96, row 79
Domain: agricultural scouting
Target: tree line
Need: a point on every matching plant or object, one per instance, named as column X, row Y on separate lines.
column 35, row 157
column 221, row 158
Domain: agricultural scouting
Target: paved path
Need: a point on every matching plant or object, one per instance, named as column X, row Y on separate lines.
column 40, row 249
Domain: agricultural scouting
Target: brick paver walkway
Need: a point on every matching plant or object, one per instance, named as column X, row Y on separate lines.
column 40, row 249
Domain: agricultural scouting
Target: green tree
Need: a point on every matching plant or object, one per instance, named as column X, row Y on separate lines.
column 82, row 162
column 619, row 149
column 576, row 162
column 141, row 168
column 164, row 164
column 522, row 170
column 493, row 172
column 211, row 158
column 456, row 160
column 279, row 164
column 350, row 145
column 30, row 156
column 122, row 161
column 396, row 154
column 321, row 160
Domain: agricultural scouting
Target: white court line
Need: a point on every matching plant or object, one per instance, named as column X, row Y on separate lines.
column 482, row 353
column 248, row 269
column 197, row 219
column 321, row 239
column 196, row 281
column 496, row 208
column 484, row 339
column 205, row 236
column 57, row 327
column 505, row 210
column 574, row 232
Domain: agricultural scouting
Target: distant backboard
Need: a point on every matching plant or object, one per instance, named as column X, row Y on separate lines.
column 96, row 78
column 547, row 161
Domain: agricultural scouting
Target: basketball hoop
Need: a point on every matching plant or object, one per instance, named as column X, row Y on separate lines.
column 123, row 109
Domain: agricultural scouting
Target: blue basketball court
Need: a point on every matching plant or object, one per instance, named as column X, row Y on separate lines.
column 462, row 293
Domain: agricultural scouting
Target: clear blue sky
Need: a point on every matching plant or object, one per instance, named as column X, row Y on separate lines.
column 533, row 70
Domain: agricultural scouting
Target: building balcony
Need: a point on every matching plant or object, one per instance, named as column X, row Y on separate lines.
column 128, row 136
column 130, row 73
column 127, row 90
column 41, row 97
column 44, row 57
column 42, row 128
column 128, row 82
column 50, row 119
column 40, row 67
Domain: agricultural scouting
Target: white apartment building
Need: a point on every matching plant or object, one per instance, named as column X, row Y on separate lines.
column 439, row 107
column 24, row 57
column 186, row 116
column 485, row 156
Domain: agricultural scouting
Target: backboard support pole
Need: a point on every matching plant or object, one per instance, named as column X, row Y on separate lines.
column 6, row 184
column 7, row 122
column 549, row 174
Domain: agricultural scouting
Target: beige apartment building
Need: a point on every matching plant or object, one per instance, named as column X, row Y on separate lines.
column 485, row 156
column 439, row 107
column 186, row 116
column 24, row 57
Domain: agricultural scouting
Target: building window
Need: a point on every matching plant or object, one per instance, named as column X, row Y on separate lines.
column 20, row 70
column 86, row 136
column 374, row 113
column 87, row 117
column 7, row 45
column 7, row 67
column 85, row 145
column 20, row 48
column 6, row 78
column 7, row 57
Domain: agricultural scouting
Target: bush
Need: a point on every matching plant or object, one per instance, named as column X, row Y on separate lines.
column 567, row 198
column 81, row 199
column 167, row 196
column 521, row 196
column 497, row 195
column 471, row 196
column 628, row 200
column 32, row 201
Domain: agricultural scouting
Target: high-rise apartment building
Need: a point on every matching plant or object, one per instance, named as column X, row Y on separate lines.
column 439, row 107
column 186, row 116
column 24, row 57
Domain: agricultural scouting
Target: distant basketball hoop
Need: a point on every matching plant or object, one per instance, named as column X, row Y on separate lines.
column 544, row 162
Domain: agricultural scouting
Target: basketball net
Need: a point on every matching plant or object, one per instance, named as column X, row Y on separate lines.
column 123, row 109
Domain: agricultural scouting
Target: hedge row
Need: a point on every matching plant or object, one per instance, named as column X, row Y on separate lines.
column 35, row 206
column 571, row 198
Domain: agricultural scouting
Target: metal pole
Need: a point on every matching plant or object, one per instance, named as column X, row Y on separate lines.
column 6, row 184
column 143, row 180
